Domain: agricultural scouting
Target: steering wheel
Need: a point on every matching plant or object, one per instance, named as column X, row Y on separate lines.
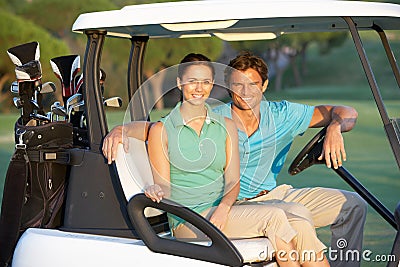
column 308, row 156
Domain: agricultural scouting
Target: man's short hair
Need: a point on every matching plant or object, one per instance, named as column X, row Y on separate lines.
column 244, row 61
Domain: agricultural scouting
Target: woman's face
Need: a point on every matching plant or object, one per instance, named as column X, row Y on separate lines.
column 196, row 84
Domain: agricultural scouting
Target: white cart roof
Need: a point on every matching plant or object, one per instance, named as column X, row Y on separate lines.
column 231, row 19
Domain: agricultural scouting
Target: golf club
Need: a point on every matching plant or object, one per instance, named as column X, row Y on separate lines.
column 14, row 87
column 115, row 102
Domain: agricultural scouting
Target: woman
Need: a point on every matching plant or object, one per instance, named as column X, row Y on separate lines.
column 195, row 162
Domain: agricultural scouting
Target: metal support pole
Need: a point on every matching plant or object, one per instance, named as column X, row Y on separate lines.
column 135, row 78
column 368, row 70
column 387, row 123
column 366, row 195
column 95, row 117
column 389, row 52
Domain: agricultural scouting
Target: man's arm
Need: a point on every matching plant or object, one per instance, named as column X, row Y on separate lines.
column 120, row 133
column 338, row 119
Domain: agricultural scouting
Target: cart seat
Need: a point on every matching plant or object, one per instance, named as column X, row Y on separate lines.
column 135, row 173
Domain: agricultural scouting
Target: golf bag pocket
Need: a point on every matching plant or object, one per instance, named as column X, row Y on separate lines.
column 35, row 183
column 44, row 195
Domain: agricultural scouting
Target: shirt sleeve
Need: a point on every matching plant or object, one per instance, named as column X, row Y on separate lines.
column 298, row 116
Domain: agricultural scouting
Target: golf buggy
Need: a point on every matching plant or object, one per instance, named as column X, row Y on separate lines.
column 106, row 219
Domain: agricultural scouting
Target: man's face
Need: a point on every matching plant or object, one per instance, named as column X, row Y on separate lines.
column 247, row 89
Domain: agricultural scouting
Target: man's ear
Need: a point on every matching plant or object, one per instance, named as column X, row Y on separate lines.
column 265, row 85
column 178, row 83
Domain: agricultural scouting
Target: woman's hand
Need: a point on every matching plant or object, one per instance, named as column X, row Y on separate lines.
column 220, row 216
column 154, row 192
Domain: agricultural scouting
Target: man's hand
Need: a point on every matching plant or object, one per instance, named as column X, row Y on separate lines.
column 338, row 119
column 333, row 149
column 111, row 141
column 220, row 216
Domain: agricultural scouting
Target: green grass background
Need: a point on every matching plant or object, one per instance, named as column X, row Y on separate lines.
column 335, row 78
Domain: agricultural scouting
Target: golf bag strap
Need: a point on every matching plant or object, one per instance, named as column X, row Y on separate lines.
column 13, row 201
column 62, row 157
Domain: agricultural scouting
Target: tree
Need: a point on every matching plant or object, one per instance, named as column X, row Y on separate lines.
column 57, row 16
column 14, row 31
column 288, row 49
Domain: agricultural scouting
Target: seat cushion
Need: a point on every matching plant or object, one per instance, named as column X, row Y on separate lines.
column 255, row 249
column 134, row 170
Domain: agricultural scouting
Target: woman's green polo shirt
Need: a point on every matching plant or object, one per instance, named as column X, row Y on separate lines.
column 197, row 162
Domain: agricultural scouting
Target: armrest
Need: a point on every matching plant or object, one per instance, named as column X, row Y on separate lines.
column 221, row 251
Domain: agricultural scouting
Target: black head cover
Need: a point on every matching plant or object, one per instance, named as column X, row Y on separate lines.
column 66, row 68
column 24, row 53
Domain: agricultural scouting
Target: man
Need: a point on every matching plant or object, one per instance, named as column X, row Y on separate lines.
column 266, row 131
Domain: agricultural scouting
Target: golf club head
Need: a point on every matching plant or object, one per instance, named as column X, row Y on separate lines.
column 59, row 111
column 78, row 107
column 66, row 68
column 14, row 87
column 72, row 100
column 40, row 118
column 49, row 116
column 55, row 104
column 35, row 104
column 82, row 122
column 48, row 87
column 115, row 102
column 17, row 102
column 75, row 112
column 24, row 53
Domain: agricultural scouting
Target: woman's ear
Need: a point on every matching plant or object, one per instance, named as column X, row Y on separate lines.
column 178, row 83
column 265, row 85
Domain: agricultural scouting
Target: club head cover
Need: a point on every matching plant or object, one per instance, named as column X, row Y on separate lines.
column 66, row 68
column 30, row 71
column 24, row 53
column 78, row 83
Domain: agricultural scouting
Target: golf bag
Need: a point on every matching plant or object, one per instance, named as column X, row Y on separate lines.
column 35, row 182
column 36, row 176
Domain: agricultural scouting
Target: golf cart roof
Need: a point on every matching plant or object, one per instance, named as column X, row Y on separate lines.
column 237, row 20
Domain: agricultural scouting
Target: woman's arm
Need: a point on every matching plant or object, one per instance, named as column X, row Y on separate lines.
column 159, row 161
column 232, row 177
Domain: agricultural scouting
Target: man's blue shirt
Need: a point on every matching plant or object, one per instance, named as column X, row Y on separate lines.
column 263, row 154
